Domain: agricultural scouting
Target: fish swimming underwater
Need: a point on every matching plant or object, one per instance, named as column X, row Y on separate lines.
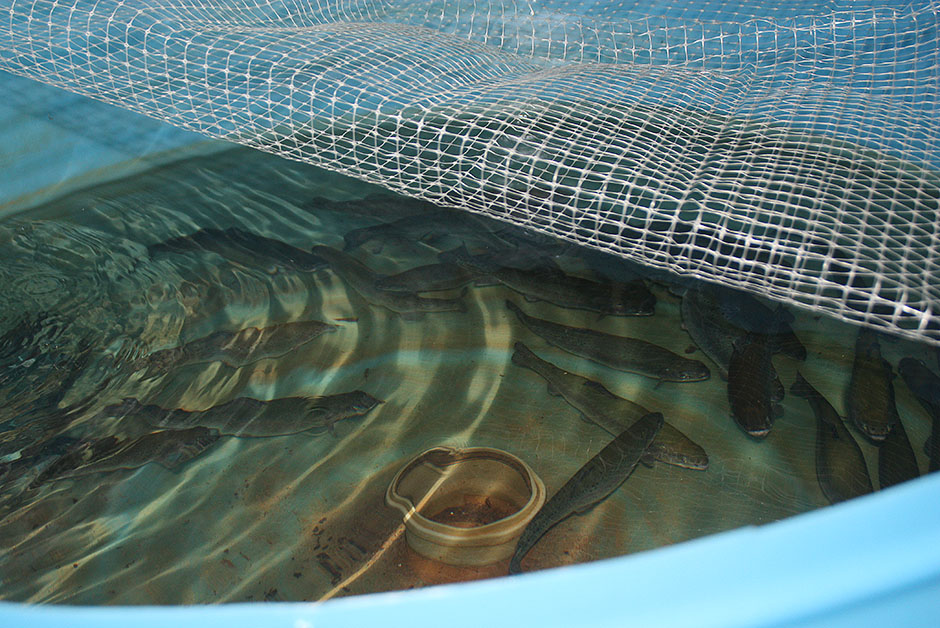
column 612, row 413
column 429, row 278
column 618, row 352
column 870, row 395
column 363, row 280
column 557, row 287
column 751, row 385
column 235, row 349
column 591, row 484
column 896, row 460
column 418, row 228
column 840, row 465
column 704, row 318
column 168, row 448
column 926, row 388
column 247, row 417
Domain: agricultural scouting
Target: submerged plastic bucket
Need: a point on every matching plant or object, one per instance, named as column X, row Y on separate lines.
column 465, row 507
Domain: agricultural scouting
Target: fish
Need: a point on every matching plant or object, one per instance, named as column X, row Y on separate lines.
column 559, row 288
column 612, row 413
column 522, row 256
column 235, row 349
column 380, row 205
column 750, row 385
column 168, row 448
column 417, row 228
column 840, row 465
column 363, row 280
column 746, row 312
column 428, row 278
column 925, row 386
column 870, row 395
column 591, row 484
column 896, row 460
column 613, row 267
column 619, row 352
column 241, row 247
column 247, row 417
column 712, row 332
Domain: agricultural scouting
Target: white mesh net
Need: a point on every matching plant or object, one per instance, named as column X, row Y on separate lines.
column 788, row 150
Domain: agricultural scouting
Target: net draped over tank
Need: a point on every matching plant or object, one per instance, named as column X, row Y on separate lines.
column 790, row 150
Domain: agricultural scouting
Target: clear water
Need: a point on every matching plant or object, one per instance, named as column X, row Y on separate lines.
column 303, row 516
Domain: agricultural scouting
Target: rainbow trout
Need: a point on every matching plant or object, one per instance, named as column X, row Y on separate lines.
column 870, row 396
column 242, row 247
column 559, row 288
column 418, row 228
column 591, row 484
column 840, row 465
column 247, row 417
column 429, row 278
column 711, row 330
column 926, row 388
column 235, row 349
column 896, row 460
column 612, row 413
column 363, row 280
column 168, row 448
column 618, row 352
column 751, row 385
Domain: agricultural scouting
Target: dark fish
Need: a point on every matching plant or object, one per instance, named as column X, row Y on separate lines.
column 381, row 205
column 418, row 228
column 523, row 256
column 612, row 266
column 618, row 352
column 242, row 247
column 612, row 413
column 926, row 388
column 896, row 460
column 559, row 288
column 840, row 465
column 870, row 395
column 248, row 417
column 363, row 280
column 591, row 484
column 429, row 278
column 922, row 381
column 168, row 448
column 746, row 312
column 236, row 349
column 712, row 332
column 750, row 385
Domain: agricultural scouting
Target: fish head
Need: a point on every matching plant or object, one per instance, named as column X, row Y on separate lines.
column 126, row 406
column 363, row 402
column 307, row 263
column 190, row 444
column 691, row 371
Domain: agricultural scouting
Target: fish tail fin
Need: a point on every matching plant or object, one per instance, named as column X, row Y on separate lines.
column 512, row 307
column 802, row 388
column 521, row 354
